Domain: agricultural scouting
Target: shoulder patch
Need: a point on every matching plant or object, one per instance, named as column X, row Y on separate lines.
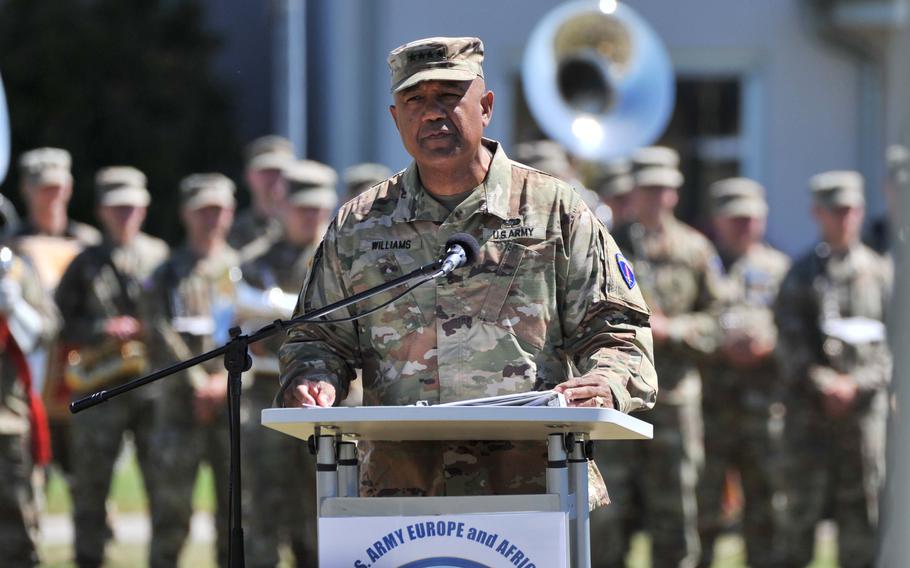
column 625, row 268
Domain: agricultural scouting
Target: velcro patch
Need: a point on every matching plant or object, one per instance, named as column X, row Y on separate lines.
column 625, row 269
column 393, row 244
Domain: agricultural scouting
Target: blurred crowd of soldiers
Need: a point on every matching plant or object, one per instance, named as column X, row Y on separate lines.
column 774, row 375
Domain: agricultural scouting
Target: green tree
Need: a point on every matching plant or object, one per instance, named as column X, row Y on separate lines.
column 117, row 82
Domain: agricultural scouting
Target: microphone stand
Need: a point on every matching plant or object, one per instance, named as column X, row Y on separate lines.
column 236, row 361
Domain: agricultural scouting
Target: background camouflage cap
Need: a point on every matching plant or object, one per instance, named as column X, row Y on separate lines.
column 839, row 188
column 202, row 190
column 544, row 155
column 269, row 153
column 655, row 156
column 360, row 177
column 121, row 185
column 659, row 176
column 436, row 59
column 738, row 197
column 45, row 166
column 311, row 184
column 615, row 178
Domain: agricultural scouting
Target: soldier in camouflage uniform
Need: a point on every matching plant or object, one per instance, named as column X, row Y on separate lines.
column 258, row 226
column 282, row 506
column 830, row 315
column 191, row 300
column 27, row 316
column 361, row 177
column 98, row 298
column 548, row 304
column 679, row 273
column 614, row 186
column 741, row 399
column 52, row 240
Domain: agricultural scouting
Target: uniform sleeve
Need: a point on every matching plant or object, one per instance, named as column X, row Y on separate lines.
column 798, row 343
column 877, row 369
column 165, row 344
column 696, row 333
column 328, row 352
column 78, row 325
column 604, row 317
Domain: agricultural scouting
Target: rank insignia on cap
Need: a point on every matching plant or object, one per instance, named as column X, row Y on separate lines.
column 625, row 268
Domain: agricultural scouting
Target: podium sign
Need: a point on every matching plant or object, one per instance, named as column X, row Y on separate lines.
column 526, row 540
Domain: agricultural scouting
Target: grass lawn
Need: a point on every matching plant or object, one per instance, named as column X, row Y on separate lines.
column 128, row 496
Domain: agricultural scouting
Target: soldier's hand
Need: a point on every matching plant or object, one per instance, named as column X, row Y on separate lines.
column 122, row 327
column 210, row 398
column 840, row 396
column 660, row 327
column 587, row 392
column 310, row 393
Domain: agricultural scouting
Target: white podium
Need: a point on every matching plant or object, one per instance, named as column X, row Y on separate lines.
column 567, row 431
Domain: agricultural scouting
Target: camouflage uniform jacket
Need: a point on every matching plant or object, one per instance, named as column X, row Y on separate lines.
column 680, row 276
column 14, row 409
column 751, row 284
column 252, row 234
column 545, row 299
column 284, row 266
column 189, row 312
column 824, row 288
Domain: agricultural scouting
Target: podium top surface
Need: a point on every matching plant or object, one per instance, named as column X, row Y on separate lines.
column 410, row 423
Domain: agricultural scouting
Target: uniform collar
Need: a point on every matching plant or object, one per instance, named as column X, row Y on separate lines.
column 491, row 196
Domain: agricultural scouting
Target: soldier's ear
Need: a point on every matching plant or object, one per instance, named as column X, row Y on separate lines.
column 394, row 112
column 486, row 107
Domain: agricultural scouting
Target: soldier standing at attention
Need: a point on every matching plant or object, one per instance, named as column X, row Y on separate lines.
column 190, row 311
column 833, row 349
column 361, row 177
column 27, row 317
column 99, row 300
column 548, row 304
column 51, row 240
column 282, row 506
column 680, row 276
column 742, row 388
column 258, row 226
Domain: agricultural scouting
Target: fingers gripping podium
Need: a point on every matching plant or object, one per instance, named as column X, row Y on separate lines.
column 498, row 529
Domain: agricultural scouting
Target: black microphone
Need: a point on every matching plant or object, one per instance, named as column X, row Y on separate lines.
column 461, row 250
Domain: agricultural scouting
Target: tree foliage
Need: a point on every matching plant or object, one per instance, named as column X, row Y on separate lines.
column 117, row 83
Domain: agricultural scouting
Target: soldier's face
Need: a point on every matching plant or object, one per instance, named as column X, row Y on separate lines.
column 441, row 122
column 840, row 226
column 49, row 197
column 211, row 222
column 122, row 222
column 737, row 234
column 305, row 225
column 653, row 201
column 267, row 188
column 623, row 207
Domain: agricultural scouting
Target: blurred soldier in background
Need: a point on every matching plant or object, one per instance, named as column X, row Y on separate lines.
column 51, row 240
column 27, row 316
column 680, row 276
column 741, row 400
column 830, row 315
column 362, row 177
column 191, row 300
column 549, row 157
column 614, row 185
column 258, row 226
column 281, row 472
column 99, row 299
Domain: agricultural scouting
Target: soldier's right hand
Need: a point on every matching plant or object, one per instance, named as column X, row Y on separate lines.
column 309, row 393
column 122, row 327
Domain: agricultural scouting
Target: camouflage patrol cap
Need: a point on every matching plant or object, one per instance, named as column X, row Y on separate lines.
column 838, row 188
column 659, row 176
column 615, row 179
column 121, row 185
column 544, row 155
column 738, row 197
column 436, row 59
column 311, row 184
column 360, row 177
column 45, row 166
column 655, row 156
column 269, row 153
column 203, row 190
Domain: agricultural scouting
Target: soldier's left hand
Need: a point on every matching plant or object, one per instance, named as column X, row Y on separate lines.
column 587, row 392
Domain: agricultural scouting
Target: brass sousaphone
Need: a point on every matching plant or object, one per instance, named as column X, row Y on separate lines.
column 597, row 79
